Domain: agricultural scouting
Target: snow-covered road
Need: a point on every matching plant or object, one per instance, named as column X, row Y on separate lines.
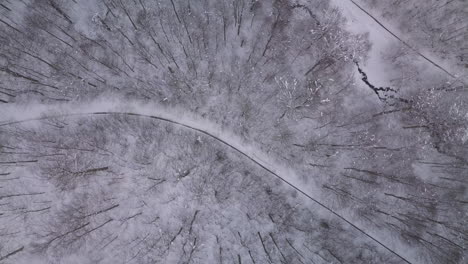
column 14, row 114
column 381, row 37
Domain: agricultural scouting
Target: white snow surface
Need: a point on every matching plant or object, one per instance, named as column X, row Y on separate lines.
column 360, row 23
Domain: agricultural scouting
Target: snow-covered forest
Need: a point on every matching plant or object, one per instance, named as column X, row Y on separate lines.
column 233, row 131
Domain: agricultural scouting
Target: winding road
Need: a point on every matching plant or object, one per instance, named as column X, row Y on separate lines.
column 249, row 151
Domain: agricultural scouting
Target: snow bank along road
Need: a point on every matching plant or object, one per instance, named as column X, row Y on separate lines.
column 35, row 112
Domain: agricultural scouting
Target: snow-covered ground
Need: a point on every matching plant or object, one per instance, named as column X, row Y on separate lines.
column 379, row 70
column 359, row 23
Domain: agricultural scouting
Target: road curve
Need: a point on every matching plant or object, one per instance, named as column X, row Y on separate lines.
column 255, row 155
